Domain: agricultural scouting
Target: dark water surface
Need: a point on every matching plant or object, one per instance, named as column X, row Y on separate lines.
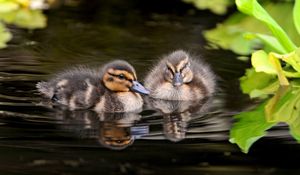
column 164, row 138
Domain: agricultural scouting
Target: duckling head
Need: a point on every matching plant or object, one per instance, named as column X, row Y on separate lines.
column 120, row 76
column 177, row 68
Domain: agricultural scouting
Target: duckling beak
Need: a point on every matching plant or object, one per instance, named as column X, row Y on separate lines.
column 177, row 80
column 137, row 87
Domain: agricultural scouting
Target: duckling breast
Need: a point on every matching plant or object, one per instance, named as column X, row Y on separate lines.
column 119, row 102
column 185, row 92
column 131, row 101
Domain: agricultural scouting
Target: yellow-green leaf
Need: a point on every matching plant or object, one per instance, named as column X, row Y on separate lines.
column 261, row 63
column 8, row 6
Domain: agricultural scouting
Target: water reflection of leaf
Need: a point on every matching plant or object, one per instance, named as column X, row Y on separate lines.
column 5, row 36
column 284, row 106
column 250, row 127
column 257, row 84
column 285, row 109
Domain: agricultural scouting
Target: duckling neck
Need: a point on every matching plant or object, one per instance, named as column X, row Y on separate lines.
column 131, row 101
column 184, row 92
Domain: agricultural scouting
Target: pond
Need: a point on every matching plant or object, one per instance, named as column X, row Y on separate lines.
column 164, row 138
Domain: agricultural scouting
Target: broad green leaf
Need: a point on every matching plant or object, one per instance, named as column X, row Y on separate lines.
column 30, row 19
column 261, row 63
column 25, row 18
column 268, row 41
column 249, row 128
column 295, row 125
column 255, row 80
column 228, row 37
column 291, row 74
column 5, row 36
column 292, row 58
column 216, row 6
column 265, row 92
column 8, row 6
column 230, row 34
column 296, row 13
column 287, row 108
column 253, row 8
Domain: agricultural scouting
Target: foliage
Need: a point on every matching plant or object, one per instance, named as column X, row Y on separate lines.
column 243, row 34
column 268, row 77
column 216, row 6
column 284, row 106
column 22, row 13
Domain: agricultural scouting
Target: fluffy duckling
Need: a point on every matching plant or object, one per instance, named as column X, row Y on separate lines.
column 178, row 76
column 113, row 88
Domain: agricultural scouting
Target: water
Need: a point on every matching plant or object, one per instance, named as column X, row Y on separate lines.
column 164, row 138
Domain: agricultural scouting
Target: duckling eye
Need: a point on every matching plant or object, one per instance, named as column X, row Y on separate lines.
column 169, row 73
column 184, row 67
column 121, row 76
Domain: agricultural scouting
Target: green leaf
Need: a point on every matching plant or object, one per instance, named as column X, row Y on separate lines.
column 287, row 108
column 261, row 63
column 296, row 15
column 292, row 58
column 30, row 19
column 249, row 128
column 216, row 6
column 264, row 92
column 268, row 41
column 255, row 80
column 295, row 126
column 5, row 36
column 230, row 37
column 231, row 33
column 253, row 8
column 8, row 6
column 25, row 18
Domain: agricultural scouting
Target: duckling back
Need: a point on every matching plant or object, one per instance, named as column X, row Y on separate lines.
column 78, row 88
column 179, row 76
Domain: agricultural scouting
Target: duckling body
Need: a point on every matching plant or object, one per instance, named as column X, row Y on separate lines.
column 178, row 76
column 112, row 88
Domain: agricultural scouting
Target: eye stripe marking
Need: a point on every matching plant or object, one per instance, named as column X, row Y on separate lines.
column 182, row 64
column 170, row 67
column 117, row 76
column 127, row 75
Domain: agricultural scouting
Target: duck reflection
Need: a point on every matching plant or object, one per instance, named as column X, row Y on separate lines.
column 115, row 131
column 176, row 115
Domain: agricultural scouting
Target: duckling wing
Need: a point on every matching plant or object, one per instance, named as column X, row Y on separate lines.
column 78, row 88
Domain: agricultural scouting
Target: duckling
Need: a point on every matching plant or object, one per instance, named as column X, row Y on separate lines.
column 112, row 88
column 178, row 76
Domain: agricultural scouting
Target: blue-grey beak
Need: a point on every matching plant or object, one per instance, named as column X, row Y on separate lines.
column 137, row 87
column 177, row 80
